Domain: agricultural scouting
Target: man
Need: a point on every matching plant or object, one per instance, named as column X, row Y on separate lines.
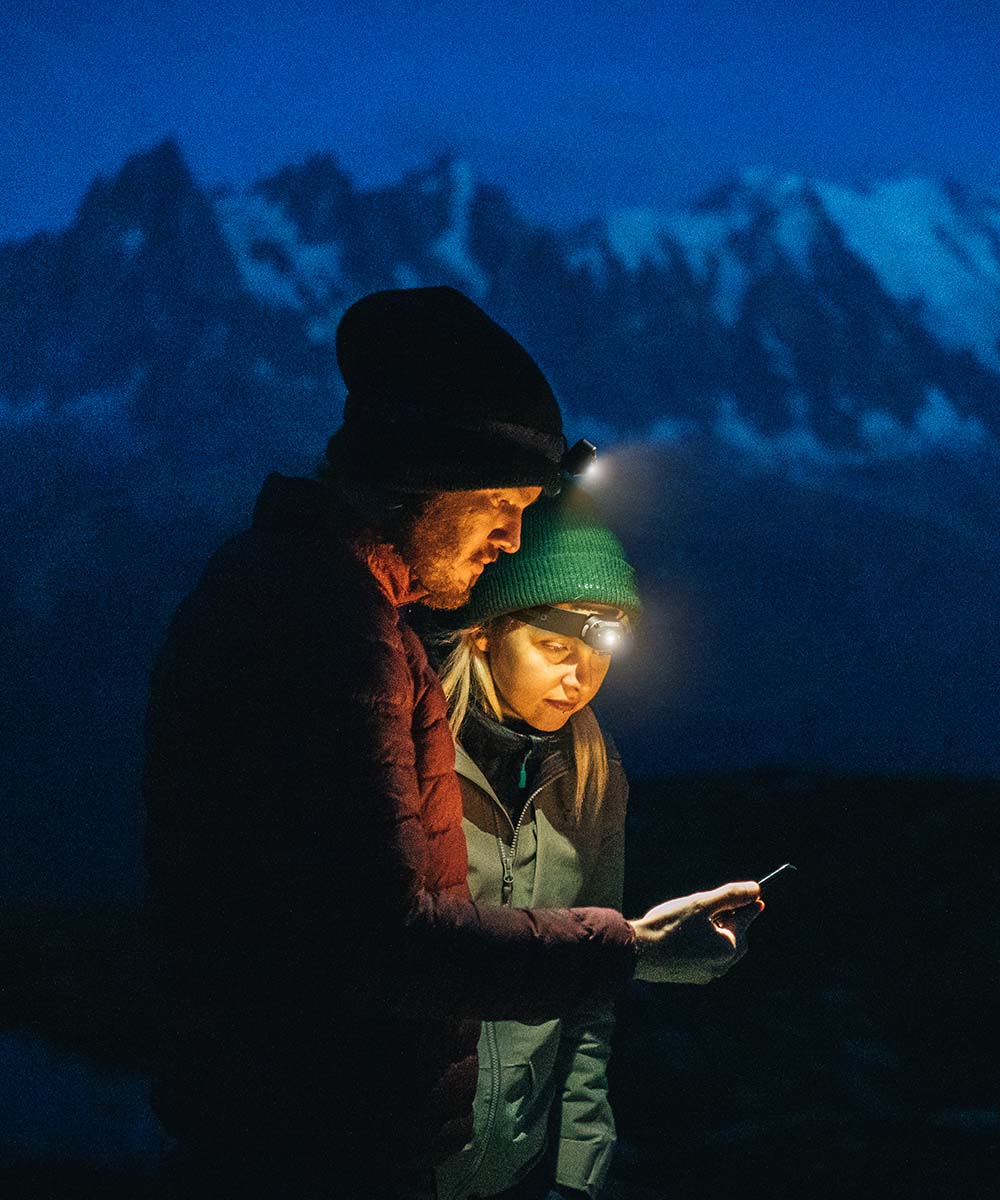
column 321, row 965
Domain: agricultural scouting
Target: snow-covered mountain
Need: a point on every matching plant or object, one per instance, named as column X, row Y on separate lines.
column 844, row 325
column 789, row 319
column 798, row 383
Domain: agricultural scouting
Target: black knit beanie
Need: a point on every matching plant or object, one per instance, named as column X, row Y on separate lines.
column 441, row 398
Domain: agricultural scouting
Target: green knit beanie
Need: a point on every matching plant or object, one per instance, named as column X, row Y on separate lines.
column 567, row 553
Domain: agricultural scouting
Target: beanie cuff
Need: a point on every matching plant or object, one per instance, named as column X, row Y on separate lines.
column 428, row 458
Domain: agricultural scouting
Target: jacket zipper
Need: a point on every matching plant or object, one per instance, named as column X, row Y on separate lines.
column 509, row 853
column 507, row 856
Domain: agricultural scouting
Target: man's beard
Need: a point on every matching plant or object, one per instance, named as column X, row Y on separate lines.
column 432, row 547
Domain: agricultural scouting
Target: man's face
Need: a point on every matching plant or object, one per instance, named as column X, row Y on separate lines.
column 458, row 534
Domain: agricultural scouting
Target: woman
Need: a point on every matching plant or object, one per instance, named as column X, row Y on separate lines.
column 544, row 811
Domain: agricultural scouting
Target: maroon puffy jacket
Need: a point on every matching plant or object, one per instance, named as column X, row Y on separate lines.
column 321, row 966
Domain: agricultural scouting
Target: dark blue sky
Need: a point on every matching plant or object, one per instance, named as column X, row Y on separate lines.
column 576, row 106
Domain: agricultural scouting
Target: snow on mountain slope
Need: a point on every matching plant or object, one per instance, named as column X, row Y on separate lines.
column 452, row 245
column 859, row 324
column 275, row 264
column 712, row 237
column 928, row 244
column 796, row 322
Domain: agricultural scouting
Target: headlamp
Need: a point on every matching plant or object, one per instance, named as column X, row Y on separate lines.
column 600, row 634
column 579, row 458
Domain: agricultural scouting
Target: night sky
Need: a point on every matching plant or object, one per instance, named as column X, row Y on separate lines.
column 575, row 107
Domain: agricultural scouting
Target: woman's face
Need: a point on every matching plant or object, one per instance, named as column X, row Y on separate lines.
column 543, row 677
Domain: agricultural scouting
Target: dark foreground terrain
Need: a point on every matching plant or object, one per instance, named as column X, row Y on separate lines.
column 852, row 1052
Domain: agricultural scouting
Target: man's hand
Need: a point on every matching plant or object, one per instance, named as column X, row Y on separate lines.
column 695, row 939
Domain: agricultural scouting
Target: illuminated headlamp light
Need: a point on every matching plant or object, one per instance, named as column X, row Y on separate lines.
column 598, row 633
column 603, row 636
column 579, row 458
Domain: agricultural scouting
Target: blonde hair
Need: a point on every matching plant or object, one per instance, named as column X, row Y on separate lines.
column 467, row 680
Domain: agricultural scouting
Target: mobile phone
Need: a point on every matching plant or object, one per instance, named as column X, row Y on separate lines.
column 780, row 875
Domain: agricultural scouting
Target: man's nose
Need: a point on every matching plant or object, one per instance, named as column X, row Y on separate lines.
column 508, row 534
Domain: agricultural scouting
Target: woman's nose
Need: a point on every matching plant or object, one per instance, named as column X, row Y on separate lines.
column 577, row 675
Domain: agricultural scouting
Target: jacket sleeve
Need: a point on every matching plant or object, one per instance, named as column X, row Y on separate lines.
column 586, row 1124
column 458, row 958
column 292, row 732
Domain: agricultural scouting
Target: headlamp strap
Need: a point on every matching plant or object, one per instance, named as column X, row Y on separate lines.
column 560, row 620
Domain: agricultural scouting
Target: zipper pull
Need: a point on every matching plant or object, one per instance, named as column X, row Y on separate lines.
column 522, row 779
column 507, row 890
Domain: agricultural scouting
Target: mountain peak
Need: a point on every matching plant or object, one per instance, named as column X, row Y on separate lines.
column 445, row 192
column 159, row 172
column 753, row 187
column 149, row 187
column 446, row 175
column 776, row 185
column 316, row 194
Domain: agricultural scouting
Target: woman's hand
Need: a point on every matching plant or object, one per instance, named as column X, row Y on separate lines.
column 697, row 938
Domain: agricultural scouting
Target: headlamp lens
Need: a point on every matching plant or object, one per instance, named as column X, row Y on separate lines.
column 603, row 636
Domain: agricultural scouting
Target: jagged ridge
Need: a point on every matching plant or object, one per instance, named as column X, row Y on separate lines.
column 793, row 321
